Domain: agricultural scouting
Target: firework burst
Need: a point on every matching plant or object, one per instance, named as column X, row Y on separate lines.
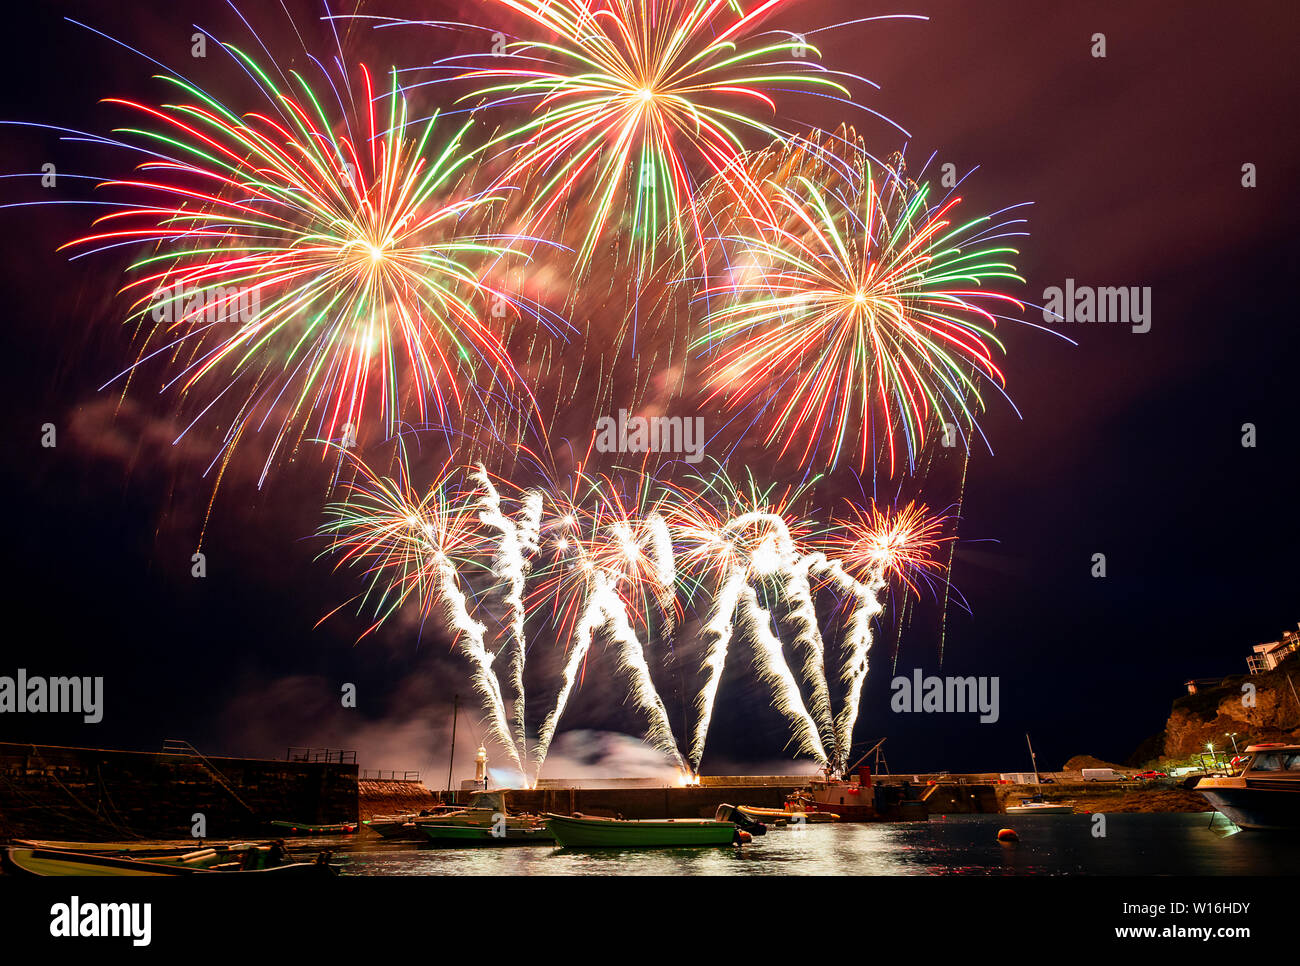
column 416, row 547
column 311, row 262
column 385, row 527
column 900, row 544
column 723, row 525
column 649, row 96
column 858, row 307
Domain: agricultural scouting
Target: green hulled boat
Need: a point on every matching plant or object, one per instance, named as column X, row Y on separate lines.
column 581, row 832
column 465, row 836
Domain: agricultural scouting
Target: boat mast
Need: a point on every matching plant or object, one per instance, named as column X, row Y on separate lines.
column 1033, row 758
column 455, row 707
column 874, row 748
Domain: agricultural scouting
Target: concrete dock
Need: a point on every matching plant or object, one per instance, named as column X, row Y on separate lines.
column 91, row 794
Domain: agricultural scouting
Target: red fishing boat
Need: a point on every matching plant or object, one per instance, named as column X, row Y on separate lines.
column 852, row 799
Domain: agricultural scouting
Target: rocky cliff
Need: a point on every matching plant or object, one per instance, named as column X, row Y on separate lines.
column 1256, row 707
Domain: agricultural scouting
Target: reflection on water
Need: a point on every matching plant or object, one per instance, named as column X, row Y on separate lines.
column 1178, row 844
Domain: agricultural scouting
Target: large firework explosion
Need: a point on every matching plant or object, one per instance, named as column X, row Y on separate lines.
column 340, row 264
column 610, row 118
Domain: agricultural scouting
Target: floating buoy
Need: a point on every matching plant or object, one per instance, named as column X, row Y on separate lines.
column 1008, row 835
column 742, row 837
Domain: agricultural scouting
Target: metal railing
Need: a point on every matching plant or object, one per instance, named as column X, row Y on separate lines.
column 329, row 756
column 178, row 746
column 376, row 775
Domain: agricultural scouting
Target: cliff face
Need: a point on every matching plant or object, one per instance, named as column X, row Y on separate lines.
column 1211, row 714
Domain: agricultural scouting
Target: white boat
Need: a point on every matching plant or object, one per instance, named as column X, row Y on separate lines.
column 1036, row 806
column 1264, row 794
column 481, row 812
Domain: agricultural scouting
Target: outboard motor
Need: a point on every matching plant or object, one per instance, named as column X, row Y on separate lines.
column 730, row 813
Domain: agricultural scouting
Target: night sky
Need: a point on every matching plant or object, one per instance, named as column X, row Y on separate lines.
column 1126, row 444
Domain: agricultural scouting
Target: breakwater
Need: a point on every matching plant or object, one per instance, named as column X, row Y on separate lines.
column 635, row 799
column 695, row 801
column 97, row 794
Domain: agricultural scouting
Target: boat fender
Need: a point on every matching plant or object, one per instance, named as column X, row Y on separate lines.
column 741, row 837
column 1008, row 836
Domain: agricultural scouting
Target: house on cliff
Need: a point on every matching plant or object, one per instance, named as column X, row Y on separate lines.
column 1269, row 655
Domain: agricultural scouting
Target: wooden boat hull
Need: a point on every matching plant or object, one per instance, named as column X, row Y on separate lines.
column 131, row 850
column 478, row 836
column 599, row 833
column 53, row 862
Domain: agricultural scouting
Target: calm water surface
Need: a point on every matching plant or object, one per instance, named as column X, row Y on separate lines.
column 1167, row 844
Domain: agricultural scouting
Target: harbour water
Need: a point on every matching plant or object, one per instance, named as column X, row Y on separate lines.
column 1169, row 844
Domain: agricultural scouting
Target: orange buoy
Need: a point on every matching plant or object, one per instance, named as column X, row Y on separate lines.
column 1008, row 835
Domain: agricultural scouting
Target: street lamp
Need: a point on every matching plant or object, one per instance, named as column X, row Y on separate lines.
column 1232, row 736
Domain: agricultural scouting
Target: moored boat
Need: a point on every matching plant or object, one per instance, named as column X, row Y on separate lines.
column 485, row 836
column 393, row 826
column 789, row 816
column 483, row 810
column 144, row 849
column 301, row 828
column 851, row 801
column 18, row 860
column 741, row 819
column 52, row 862
column 1037, row 806
column 582, row 832
column 405, row 826
column 1264, row 793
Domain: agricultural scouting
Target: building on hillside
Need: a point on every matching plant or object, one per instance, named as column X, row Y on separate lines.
column 1272, row 653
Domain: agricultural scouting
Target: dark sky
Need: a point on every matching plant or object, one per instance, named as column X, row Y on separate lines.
column 1127, row 445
